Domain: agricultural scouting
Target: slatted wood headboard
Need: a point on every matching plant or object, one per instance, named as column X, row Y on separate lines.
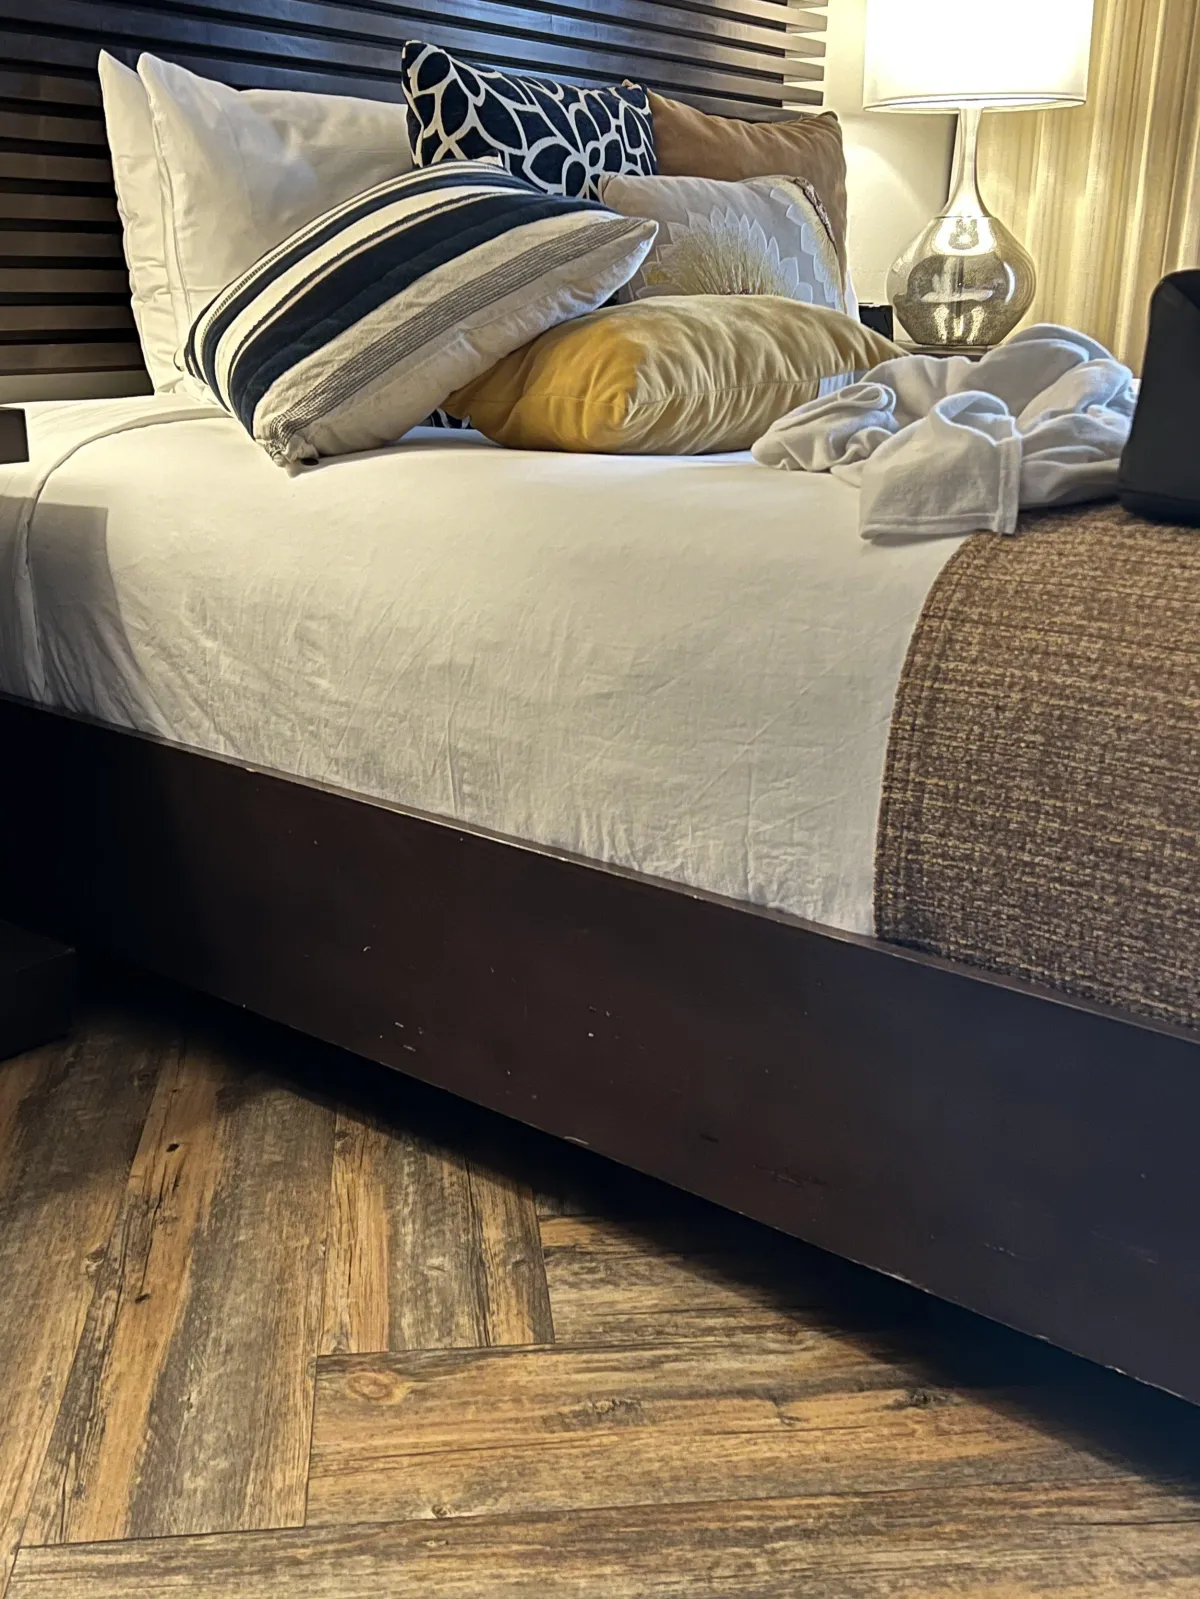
column 65, row 324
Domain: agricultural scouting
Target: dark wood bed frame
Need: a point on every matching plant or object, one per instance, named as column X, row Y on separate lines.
column 1027, row 1156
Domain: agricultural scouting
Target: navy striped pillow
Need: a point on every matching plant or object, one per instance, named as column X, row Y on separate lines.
column 363, row 321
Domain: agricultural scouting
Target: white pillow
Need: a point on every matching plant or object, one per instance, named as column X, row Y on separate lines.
column 139, row 200
column 240, row 170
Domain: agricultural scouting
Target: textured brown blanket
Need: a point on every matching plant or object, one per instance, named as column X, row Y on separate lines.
column 1041, row 804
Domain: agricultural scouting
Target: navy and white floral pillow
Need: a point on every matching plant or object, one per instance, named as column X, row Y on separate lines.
column 558, row 138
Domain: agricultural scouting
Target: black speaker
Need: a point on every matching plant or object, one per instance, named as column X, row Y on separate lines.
column 1160, row 469
column 880, row 318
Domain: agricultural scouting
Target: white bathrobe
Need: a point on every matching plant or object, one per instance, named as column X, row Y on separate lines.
column 942, row 446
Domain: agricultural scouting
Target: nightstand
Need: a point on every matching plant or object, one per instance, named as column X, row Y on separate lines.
column 14, row 439
column 37, row 975
column 973, row 352
column 37, row 989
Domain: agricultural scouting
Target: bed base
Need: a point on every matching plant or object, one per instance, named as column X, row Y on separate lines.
column 1029, row 1157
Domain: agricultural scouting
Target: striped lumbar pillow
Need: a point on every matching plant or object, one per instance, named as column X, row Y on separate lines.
column 362, row 322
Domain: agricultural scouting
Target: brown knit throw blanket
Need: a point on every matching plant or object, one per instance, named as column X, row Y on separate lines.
column 1041, row 803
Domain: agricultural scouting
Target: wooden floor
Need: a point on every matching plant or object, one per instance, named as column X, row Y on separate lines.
column 275, row 1321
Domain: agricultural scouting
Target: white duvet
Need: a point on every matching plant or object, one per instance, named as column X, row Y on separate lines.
column 681, row 666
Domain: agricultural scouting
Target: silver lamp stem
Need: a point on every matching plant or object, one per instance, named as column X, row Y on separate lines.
column 964, row 200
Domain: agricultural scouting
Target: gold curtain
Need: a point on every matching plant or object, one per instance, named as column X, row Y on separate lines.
column 1107, row 196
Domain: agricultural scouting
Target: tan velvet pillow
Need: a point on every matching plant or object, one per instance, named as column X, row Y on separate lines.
column 670, row 375
column 694, row 144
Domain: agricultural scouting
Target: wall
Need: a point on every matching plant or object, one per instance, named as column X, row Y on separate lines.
column 899, row 165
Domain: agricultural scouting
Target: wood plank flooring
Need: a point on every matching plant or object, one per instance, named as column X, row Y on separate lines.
column 70, row 1118
column 274, row 1320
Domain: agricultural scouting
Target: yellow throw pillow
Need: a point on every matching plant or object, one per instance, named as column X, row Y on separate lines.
column 673, row 375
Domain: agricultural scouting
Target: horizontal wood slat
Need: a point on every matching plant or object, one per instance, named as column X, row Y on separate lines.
column 63, row 287
column 62, row 206
column 43, row 353
column 600, row 51
column 392, row 20
column 26, row 88
column 61, row 320
column 758, row 23
column 72, row 134
column 29, row 243
column 40, row 169
column 268, row 75
column 45, row 280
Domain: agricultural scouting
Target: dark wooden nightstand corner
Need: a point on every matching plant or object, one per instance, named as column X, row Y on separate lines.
column 37, row 975
column 37, row 989
column 14, row 437
column 973, row 352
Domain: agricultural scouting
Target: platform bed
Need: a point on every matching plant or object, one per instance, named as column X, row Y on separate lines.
column 1026, row 1156
column 1030, row 1157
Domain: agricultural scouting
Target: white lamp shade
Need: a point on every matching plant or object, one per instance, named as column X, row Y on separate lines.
column 926, row 55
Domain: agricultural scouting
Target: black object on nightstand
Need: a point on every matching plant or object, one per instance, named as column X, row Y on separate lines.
column 879, row 318
column 37, row 975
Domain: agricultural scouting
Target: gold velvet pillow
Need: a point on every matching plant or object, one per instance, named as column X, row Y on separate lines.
column 695, row 144
column 672, row 375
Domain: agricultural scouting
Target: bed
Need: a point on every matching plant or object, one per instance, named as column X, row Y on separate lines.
column 555, row 782
column 552, row 648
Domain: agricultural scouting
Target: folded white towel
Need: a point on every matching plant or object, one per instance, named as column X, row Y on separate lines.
column 956, row 446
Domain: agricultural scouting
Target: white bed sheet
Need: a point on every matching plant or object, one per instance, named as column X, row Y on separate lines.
column 681, row 666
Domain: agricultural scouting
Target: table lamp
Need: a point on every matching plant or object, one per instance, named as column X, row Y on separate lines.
column 965, row 281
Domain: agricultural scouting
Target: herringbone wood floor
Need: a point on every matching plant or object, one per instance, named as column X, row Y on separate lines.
column 273, row 1320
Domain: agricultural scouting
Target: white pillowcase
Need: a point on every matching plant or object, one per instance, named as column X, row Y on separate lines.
column 209, row 178
column 139, row 200
column 241, row 170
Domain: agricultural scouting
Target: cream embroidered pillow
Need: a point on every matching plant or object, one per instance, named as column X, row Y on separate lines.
column 757, row 236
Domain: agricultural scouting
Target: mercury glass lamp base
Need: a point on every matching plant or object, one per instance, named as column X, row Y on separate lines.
column 965, row 279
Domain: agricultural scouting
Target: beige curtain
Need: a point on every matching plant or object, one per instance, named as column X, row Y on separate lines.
column 1107, row 197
